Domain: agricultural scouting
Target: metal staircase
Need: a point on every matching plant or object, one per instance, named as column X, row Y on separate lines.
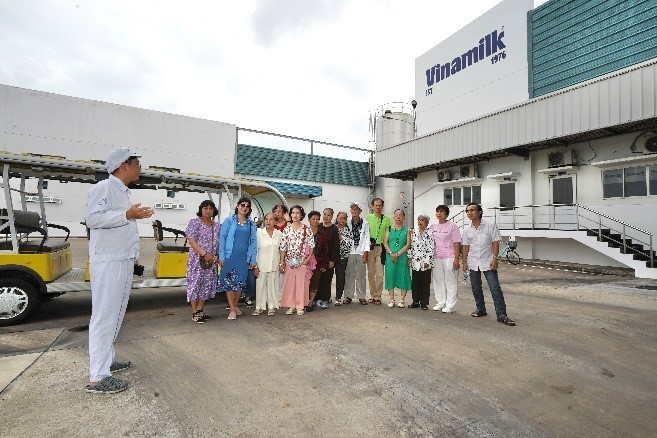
column 618, row 240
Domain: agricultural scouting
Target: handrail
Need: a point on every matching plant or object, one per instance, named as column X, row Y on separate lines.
column 611, row 218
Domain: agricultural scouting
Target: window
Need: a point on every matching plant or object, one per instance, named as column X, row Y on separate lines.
column 508, row 195
column 448, row 197
column 612, row 183
column 476, row 194
column 467, row 195
column 457, row 196
column 629, row 181
column 462, row 195
column 635, row 181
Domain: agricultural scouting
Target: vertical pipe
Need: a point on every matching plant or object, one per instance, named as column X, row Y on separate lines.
column 624, row 241
column 652, row 257
column 599, row 228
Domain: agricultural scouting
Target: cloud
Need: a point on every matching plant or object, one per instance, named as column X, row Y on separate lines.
column 273, row 19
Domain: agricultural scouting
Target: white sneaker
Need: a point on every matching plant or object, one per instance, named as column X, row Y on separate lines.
column 448, row 310
column 438, row 307
column 391, row 304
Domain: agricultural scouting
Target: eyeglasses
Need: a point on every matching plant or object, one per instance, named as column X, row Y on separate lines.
column 245, row 204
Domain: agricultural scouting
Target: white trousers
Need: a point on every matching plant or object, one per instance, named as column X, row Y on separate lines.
column 110, row 289
column 268, row 290
column 355, row 277
column 445, row 282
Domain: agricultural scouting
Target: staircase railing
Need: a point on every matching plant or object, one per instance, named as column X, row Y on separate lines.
column 570, row 217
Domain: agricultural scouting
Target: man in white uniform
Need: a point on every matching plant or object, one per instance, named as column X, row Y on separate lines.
column 113, row 249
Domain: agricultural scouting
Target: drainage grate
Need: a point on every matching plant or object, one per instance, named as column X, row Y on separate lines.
column 648, row 287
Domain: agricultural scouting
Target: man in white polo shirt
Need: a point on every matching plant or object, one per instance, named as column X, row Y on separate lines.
column 113, row 249
column 481, row 244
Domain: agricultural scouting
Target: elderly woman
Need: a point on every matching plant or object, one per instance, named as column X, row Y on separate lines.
column 281, row 218
column 421, row 262
column 397, row 242
column 446, row 260
column 238, row 252
column 267, row 285
column 346, row 246
column 296, row 254
column 202, row 235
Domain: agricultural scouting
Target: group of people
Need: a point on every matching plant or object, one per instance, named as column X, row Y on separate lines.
column 293, row 262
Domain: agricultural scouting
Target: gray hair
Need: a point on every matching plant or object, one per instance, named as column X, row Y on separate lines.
column 423, row 216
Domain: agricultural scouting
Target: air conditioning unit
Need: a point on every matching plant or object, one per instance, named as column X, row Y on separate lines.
column 469, row 171
column 650, row 146
column 561, row 158
column 444, row 175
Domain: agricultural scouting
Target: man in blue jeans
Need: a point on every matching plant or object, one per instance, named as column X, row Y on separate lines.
column 481, row 244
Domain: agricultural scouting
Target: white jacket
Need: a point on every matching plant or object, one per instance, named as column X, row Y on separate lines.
column 112, row 236
column 364, row 242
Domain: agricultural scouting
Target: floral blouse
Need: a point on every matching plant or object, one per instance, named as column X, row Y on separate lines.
column 422, row 249
column 346, row 242
column 291, row 242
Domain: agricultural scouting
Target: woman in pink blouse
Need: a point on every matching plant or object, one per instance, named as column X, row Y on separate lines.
column 446, row 260
column 296, row 253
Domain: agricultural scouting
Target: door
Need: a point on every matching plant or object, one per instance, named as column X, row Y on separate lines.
column 563, row 192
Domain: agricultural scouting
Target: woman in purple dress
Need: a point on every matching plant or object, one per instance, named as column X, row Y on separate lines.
column 203, row 237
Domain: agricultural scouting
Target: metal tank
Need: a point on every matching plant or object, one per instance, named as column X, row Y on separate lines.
column 390, row 125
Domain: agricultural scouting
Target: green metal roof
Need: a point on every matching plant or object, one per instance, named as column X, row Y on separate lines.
column 296, row 189
column 266, row 162
column 573, row 41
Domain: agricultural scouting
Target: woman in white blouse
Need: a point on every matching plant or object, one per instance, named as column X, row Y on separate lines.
column 421, row 263
column 267, row 269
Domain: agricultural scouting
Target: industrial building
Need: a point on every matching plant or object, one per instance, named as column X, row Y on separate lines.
column 547, row 116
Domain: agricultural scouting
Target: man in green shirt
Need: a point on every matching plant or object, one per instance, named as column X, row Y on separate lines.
column 378, row 223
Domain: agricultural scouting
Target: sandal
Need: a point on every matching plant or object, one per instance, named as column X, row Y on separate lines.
column 271, row 312
column 347, row 300
column 363, row 301
column 338, row 302
column 109, row 385
column 203, row 315
column 391, row 303
column 400, row 304
column 477, row 313
column 256, row 312
column 119, row 366
column 197, row 318
column 371, row 301
column 377, row 302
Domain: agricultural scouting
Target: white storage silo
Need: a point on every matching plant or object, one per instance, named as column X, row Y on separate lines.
column 394, row 124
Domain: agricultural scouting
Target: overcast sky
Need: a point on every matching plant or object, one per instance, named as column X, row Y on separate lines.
column 307, row 68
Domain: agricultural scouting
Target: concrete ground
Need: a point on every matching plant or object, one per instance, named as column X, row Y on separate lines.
column 580, row 362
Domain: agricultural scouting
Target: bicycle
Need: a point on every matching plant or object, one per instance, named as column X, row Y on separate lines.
column 509, row 251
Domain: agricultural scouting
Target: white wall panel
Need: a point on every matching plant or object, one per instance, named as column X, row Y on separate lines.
column 604, row 102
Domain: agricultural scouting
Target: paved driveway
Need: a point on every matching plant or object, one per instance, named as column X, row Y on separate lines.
column 581, row 362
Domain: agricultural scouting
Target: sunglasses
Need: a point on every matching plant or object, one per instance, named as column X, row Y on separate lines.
column 245, row 204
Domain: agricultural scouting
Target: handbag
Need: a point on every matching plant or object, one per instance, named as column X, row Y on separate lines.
column 296, row 261
column 204, row 263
